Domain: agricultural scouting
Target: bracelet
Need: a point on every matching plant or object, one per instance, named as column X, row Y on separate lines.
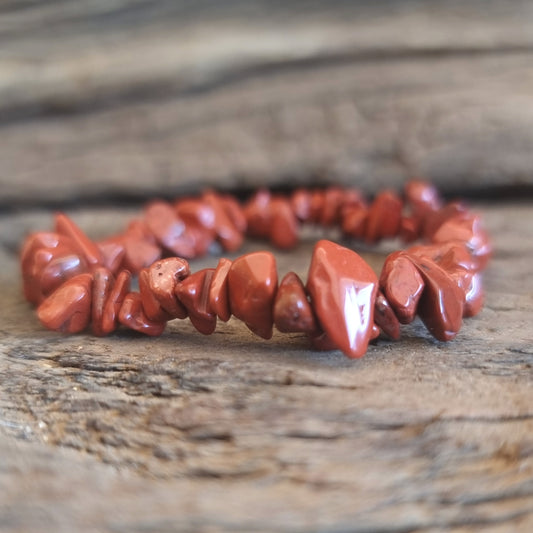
column 75, row 281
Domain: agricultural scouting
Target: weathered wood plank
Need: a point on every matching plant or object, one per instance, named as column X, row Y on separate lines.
column 231, row 433
column 159, row 97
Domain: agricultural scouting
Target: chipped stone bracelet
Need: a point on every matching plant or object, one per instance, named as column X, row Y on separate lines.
column 76, row 282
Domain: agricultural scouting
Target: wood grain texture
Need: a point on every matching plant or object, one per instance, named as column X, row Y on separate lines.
column 232, row 433
column 144, row 98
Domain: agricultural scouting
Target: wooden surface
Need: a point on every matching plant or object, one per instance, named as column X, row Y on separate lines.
column 101, row 99
column 232, row 433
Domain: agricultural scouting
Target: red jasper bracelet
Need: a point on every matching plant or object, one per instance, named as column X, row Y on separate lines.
column 75, row 281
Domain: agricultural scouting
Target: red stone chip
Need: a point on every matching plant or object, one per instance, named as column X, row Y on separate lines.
column 442, row 301
column 131, row 314
column 114, row 302
column 83, row 245
column 385, row 317
column 402, row 286
column 218, row 291
column 343, row 290
column 103, row 281
column 68, row 309
column 193, row 293
column 292, row 310
column 252, row 284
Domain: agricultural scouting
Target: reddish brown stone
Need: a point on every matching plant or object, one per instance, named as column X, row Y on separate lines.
column 131, row 315
column 460, row 265
column 193, row 293
column 227, row 233
column 385, row 317
column 402, row 286
column 321, row 342
column 422, row 198
column 375, row 332
column 300, row 201
column 68, row 309
column 82, row 244
column 317, row 205
column 292, row 311
column 114, row 302
column 283, row 227
column 196, row 212
column 442, row 301
column 151, row 306
column 45, row 269
column 354, row 221
column 218, row 291
column 252, row 284
column 162, row 279
column 384, row 216
column 258, row 214
column 331, row 208
column 235, row 212
column 467, row 228
column 434, row 220
column 409, row 228
column 35, row 241
column 343, row 289
column 103, row 281
column 138, row 253
column 113, row 253
column 167, row 228
column 63, row 266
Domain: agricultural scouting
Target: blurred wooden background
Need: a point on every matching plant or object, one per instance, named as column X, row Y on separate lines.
column 136, row 98
column 110, row 102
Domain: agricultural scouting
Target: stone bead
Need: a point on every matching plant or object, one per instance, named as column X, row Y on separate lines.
column 442, row 301
column 331, row 208
column 131, row 315
column 321, row 342
column 258, row 214
column 467, row 228
column 227, row 233
column 402, row 286
column 82, row 244
column 68, row 309
column 40, row 280
column 196, row 212
column 163, row 277
column 384, row 217
column 300, row 201
column 292, row 311
column 103, row 281
column 283, row 227
column 354, row 222
column 422, row 197
column 218, row 291
column 193, row 293
column 234, row 211
column 435, row 219
column 35, row 241
column 409, row 228
column 252, row 285
column 113, row 253
column 151, row 307
column 385, row 317
column 114, row 302
column 343, row 288
column 138, row 253
column 317, row 205
column 167, row 228
column 63, row 266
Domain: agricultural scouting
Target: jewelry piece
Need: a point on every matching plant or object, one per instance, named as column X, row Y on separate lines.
column 76, row 282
